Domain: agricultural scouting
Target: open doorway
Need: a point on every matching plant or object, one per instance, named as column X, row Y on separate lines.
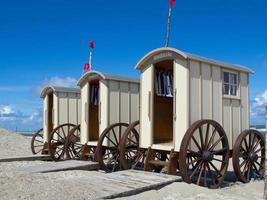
column 93, row 111
column 163, row 103
column 50, row 124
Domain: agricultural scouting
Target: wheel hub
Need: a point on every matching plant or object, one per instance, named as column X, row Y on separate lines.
column 253, row 156
column 207, row 156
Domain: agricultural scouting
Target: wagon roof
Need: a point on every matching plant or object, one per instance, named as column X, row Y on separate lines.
column 53, row 89
column 140, row 64
column 99, row 75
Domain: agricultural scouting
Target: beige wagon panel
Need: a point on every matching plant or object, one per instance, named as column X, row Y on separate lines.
column 195, row 92
column 244, row 95
column 216, row 94
column 103, row 105
column 146, row 107
column 236, row 120
column 227, row 119
column 181, row 101
column 63, row 108
column 124, row 102
column 45, row 116
column 206, row 91
column 134, row 102
column 79, row 109
column 55, row 110
column 84, row 112
column 72, row 107
column 114, row 102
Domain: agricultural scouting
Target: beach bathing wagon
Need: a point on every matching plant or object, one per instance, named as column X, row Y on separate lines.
column 108, row 104
column 61, row 112
column 194, row 116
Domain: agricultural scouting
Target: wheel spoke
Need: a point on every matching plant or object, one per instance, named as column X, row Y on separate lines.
column 111, row 141
column 260, row 149
column 213, row 166
column 207, row 137
column 195, row 141
column 195, row 170
column 256, row 145
column 212, row 137
column 193, row 161
column 115, row 136
column 216, row 143
column 200, row 173
column 201, row 137
column 246, row 144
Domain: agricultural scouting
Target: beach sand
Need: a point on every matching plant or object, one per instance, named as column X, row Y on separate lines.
column 15, row 184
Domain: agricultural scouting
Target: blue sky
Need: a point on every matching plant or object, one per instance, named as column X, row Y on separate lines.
column 43, row 42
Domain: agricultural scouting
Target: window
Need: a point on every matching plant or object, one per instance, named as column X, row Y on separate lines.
column 230, row 84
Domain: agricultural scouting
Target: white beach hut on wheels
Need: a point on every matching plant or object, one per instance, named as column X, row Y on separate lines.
column 194, row 116
column 61, row 112
column 108, row 104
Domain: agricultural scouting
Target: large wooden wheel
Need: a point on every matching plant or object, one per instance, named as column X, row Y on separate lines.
column 129, row 146
column 107, row 151
column 37, row 142
column 57, row 140
column 204, row 154
column 73, row 144
column 249, row 155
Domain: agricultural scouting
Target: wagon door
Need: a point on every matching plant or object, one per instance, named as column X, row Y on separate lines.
column 181, row 101
column 146, row 107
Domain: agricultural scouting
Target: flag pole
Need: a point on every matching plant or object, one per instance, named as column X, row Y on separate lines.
column 90, row 57
column 168, row 28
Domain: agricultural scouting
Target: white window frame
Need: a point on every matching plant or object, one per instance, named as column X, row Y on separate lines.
column 237, row 96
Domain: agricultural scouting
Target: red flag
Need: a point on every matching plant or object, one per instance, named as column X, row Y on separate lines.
column 86, row 66
column 92, row 44
column 172, row 3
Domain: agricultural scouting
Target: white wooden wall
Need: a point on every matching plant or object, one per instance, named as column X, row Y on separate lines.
column 118, row 102
column 207, row 101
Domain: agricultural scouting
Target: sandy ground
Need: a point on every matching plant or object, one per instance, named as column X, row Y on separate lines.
column 15, row 184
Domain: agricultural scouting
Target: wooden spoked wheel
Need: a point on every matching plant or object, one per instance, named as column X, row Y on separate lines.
column 107, row 150
column 57, row 140
column 129, row 146
column 204, row 154
column 249, row 155
column 73, row 145
column 37, row 142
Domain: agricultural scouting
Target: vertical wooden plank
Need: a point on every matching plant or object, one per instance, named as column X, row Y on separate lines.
column 134, row 102
column 79, row 109
column 114, row 102
column 124, row 102
column 63, row 108
column 244, row 96
column 217, row 94
column 181, row 85
column 206, row 91
column 235, row 120
column 227, row 119
column 56, row 113
column 45, row 120
column 195, row 91
column 85, row 112
column 146, row 107
column 103, row 105
column 72, row 108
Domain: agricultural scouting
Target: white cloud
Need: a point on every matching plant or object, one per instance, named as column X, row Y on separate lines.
column 57, row 81
column 257, row 109
column 12, row 117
